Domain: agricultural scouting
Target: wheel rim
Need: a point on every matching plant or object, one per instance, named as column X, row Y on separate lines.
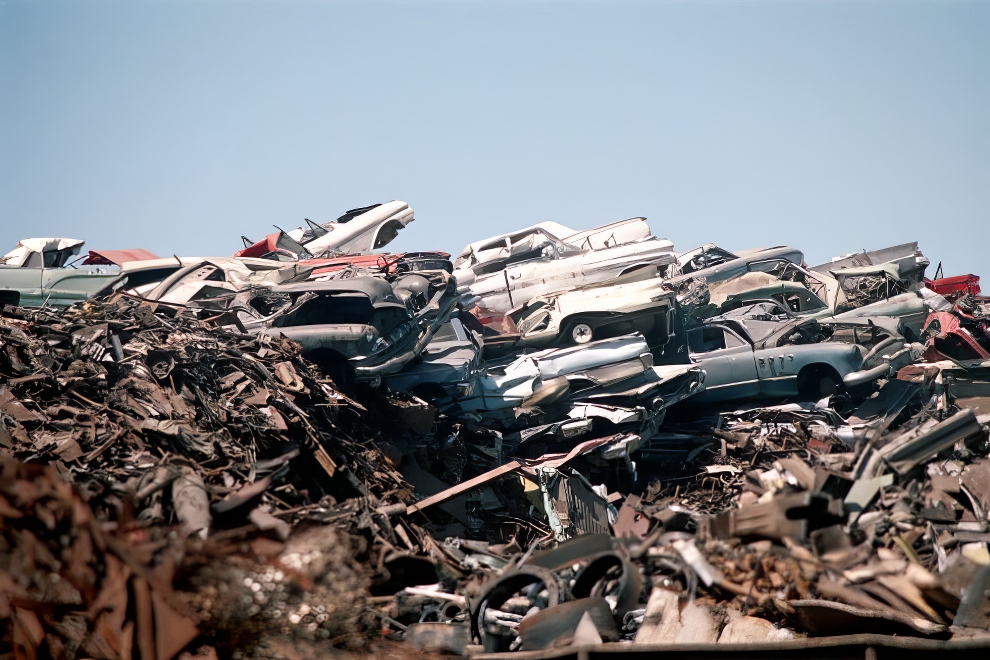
column 581, row 334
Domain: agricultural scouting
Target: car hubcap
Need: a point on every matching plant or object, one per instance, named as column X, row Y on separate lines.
column 582, row 333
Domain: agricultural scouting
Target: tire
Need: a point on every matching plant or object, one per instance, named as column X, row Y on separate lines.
column 582, row 333
column 587, row 581
column 10, row 298
column 499, row 590
column 827, row 386
column 819, row 381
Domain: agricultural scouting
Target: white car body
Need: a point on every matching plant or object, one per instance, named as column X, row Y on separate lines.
column 372, row 230
column 510, row 270
column 545, row 317
column 359, row 231
column 716, row 264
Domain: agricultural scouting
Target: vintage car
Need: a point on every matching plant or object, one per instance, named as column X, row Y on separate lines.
column 715, row 264
column 763, row 350
column 41, row 271
column 510, row 270
column 364, row 326
column 579, row 316
column 139, row 278
column 359, row 231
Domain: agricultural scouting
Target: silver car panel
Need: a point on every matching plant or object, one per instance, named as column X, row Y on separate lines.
column 775, row 367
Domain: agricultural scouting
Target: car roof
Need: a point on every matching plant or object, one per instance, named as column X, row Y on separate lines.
column 555, row 229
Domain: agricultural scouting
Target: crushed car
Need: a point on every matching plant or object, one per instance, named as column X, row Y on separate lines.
column 600, row 370
column 359, row 231
column 214, row 282
column 362, row 325
column 500, row 273
column 716, row 264
column 801, row 296
column 636, row 303
column 449, row 366
column 906, row 258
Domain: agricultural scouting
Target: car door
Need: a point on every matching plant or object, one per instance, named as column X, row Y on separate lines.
column 64, row 286
column 552, row 271
column 727, row 359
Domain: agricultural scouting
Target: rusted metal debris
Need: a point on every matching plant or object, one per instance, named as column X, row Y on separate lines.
column 511, row 479
column 135, row 439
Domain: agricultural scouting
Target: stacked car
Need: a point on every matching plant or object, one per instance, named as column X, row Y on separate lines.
column 539, row 339
column 520, row 435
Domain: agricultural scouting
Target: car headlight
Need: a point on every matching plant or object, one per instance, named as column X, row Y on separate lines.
column 369, row 336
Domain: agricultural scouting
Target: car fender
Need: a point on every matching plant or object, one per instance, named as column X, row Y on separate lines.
column 844, row 358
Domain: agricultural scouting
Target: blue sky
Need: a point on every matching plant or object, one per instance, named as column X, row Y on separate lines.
column 180, row 126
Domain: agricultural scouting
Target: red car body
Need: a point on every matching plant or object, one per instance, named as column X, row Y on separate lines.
column 954, row 287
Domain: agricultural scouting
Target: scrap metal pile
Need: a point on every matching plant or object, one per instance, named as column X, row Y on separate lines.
column 559, row 438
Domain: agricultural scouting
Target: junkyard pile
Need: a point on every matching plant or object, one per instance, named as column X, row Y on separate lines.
column 314, row 452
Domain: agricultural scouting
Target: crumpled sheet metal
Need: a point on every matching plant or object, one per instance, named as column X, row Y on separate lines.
column 154, row 422
column 543, row 581
column 66, row 584
column 181, row 389
column 763, row 524
column 562, row 625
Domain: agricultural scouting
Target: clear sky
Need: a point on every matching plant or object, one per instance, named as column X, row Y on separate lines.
column 180, row 126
